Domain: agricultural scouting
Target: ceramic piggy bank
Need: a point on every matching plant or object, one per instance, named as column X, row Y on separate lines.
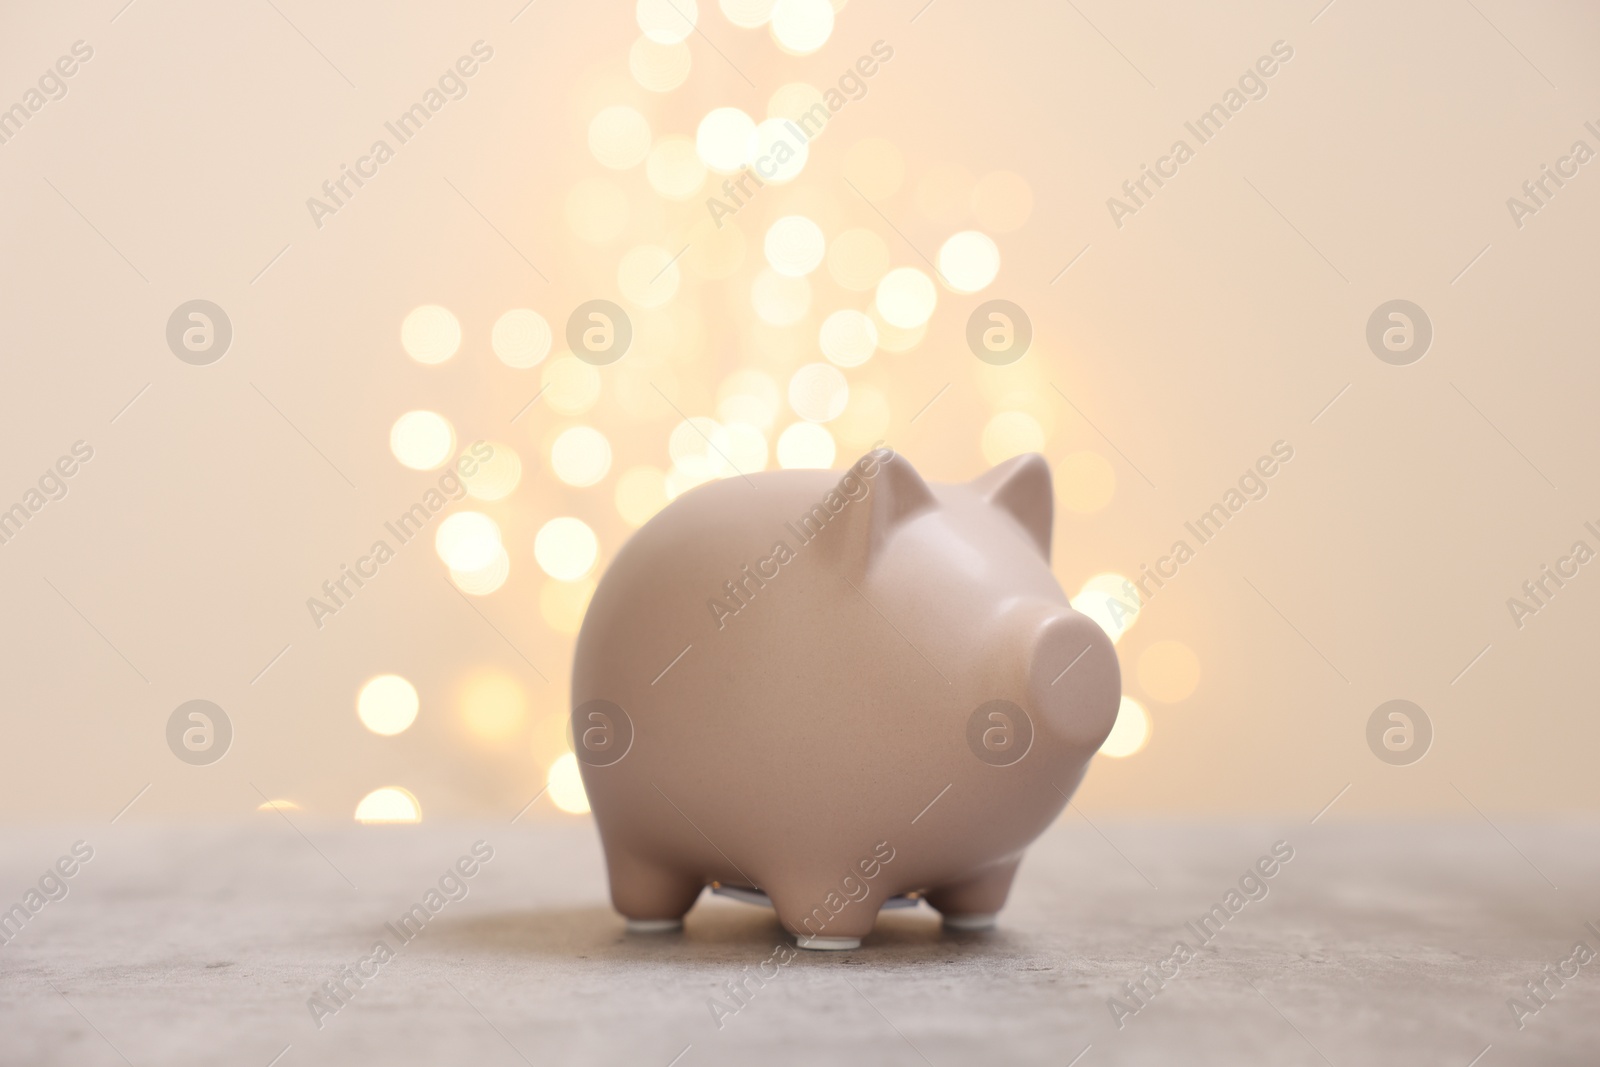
column 839, row 692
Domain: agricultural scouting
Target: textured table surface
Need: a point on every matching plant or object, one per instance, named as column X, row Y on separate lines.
column 1376, row 944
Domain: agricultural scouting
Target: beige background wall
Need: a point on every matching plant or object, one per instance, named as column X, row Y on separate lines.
column 1222, row 317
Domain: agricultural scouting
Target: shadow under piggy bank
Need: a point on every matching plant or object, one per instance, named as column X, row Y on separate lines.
column 714, row 934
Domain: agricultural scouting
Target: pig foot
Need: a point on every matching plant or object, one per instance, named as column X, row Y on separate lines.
column 973, row 902
column 808, row 917
column 651, row 897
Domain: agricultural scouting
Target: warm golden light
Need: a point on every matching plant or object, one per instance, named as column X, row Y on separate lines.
column 566, row 548
column 619, row 137
column 1085, row 482
column 802, row 26
column 659, row 68
column 858, row 259
column 806, row 445
column 467, row 541
column 848, row 338
column 1011, row 433
column 430, row 334
column 640, row 493
column 794, row 246
column 1130, row 732
column 779, row 150
column 667, row 21
column 520, row 338
column 780, row 300
column 566, row 785
column 675, row 169
column 1169, row 671
column 580, row 456
column 495, row 478
column 648, row 275
column 387, row 704
column 1111, row 601
column 391, row 804
column 573, row 385
column 818, row 392
column 562, row 604
column 422, row 440
column 484, row 580
column 906, row 297
column 724, row 138
column 492, row 705
column 969, row 261
column 747, row 14
column 277, row 805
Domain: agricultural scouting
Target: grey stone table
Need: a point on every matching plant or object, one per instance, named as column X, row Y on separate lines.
column 1375, row 944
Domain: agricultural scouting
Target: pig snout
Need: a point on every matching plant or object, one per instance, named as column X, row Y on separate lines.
column 1074, row 681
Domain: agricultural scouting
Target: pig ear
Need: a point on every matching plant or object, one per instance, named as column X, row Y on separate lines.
column 896, row 494
column 1021, row 487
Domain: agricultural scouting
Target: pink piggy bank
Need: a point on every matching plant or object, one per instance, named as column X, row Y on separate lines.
column 838, row 692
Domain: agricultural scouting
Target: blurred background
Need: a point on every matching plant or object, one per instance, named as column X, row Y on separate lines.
column 267, row 366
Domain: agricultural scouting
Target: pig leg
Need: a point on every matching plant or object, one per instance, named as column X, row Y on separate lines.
column 973, row 902
column 806, row 915
column 651, row 897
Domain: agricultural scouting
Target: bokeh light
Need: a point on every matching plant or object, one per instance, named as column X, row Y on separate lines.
column 675, row 169
column 858, row 259
column 486, row 579
column 391, row 804
column 497, row 477
column 802, row 26
column 430, row 334
column 747, row 14
column 648, row 275
column 906, row 297
column 818, row 392
column 1085, row 482
column 562, row 604
column 779, row 150
column 1169, row 671
column 667, row 21
column 387, row 704
column 1111, row 601
column 969, row 261
column 848, row 338
column 566, row 785
column 1130, row 732
column 492, row 706
column 1002, row 201
column 572, row 385
column 566, row 548
column 640, row 493
column 580, row 456
column 866, row 418
column 467, row 541
column 795, row 246
column 520, row 338
column 619, row 137
column 724, row 138
column 805, row 445
column 659, row 68
column 778, row 299
column 1011, row 433
column 422, row 440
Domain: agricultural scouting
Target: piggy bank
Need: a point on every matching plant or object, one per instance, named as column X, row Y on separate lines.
column 839, row 692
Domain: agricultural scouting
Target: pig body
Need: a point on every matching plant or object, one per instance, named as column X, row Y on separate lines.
column 836, row 690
